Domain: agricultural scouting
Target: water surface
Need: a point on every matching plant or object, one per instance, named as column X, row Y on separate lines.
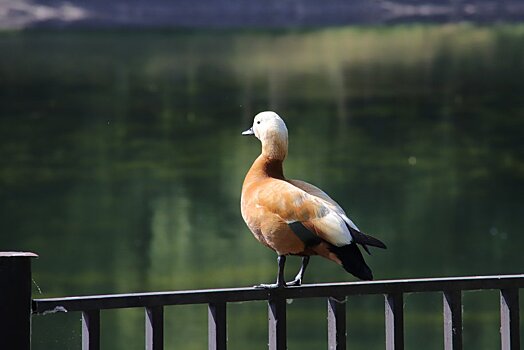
column 122, row 163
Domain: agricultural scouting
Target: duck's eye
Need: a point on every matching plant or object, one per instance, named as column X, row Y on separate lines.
column 258, row 122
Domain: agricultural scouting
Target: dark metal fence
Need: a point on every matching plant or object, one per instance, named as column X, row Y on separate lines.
column 217, row 300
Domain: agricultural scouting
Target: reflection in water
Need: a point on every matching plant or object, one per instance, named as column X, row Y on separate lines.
column 171, row 240
column 122, row 164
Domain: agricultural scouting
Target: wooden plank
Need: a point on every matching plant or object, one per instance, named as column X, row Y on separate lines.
column 154, row 317
column 394, row 308
column 336, row 323
column 509, row 319
column 452, row 303
column 217, row 326
column 277, row 324
column 91, row 330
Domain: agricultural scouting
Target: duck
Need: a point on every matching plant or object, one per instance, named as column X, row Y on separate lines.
column 293, row 217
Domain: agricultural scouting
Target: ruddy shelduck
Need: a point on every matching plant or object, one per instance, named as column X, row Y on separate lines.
column 293, row 217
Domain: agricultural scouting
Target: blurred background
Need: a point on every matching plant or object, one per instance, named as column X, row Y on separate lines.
column 122, row 160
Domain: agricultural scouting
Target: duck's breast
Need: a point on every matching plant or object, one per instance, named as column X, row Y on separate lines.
column 263, row 207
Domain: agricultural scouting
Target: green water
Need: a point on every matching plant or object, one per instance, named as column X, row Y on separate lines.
column 122, row 162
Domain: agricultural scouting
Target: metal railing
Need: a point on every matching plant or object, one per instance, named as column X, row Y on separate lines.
column 217, row 300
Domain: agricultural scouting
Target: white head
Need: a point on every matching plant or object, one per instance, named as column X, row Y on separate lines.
column 271, row 130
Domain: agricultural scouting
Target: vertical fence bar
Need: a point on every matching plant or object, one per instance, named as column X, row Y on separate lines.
column 154, row 328
column 336, row 324
column 15, row 300
column 217, row 326
column 394, row 321
column 509, row 319
column 277, row 323
column 91, row 330
column 452, row 303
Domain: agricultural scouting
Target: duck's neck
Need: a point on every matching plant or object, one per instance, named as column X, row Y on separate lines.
column 267, row 167
column 273, row 168
column 274, row 146
column 269, row 163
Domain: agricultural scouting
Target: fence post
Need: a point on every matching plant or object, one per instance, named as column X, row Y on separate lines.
column 394, row 321
column 277, row 323
column 337, row 323
column 155, row 328
column 452, row 300
column 509, row 319
column 15, row 300
column 217, row 326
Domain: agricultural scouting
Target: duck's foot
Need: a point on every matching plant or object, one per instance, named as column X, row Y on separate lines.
column 298, row 278
column 269, row 286
column 280, row 276
column 295, row 283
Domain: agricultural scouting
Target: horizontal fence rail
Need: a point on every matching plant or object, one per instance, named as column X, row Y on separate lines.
column 335, row 294
column 17, row 307
column 231, row 295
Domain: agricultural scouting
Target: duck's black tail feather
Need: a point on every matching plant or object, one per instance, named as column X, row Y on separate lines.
column 353, row 261
column 365, row 240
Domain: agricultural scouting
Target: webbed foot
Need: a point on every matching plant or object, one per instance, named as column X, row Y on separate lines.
column 270, row 286
column 295, row 283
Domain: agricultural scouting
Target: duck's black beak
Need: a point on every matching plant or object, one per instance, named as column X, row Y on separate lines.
column 248, row 132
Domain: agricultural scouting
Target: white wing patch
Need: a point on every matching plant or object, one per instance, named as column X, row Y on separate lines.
column 333, row 229
column 349, row 222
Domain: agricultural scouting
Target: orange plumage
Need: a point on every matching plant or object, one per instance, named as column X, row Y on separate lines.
column 293, row 217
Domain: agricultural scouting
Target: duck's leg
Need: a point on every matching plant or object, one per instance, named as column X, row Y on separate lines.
column 298, row 279
column 280, row 276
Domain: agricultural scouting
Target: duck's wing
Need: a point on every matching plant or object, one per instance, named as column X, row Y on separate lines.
column 317, row 192
column 294, row 205
column 355, row 232
column 307, row 215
